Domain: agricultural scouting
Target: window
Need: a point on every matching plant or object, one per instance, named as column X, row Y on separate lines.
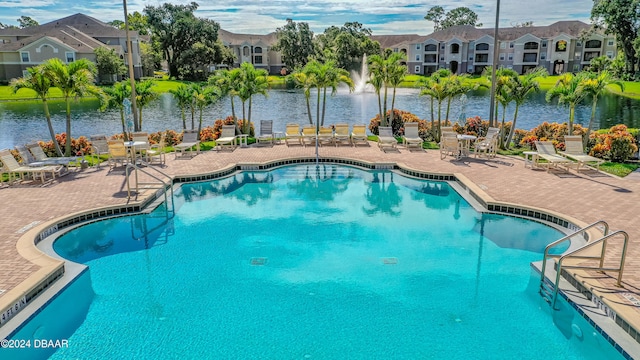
column 544, row 43
column 610, row 43
column 577, row 55
column 442, row 46
column 470, row 57
column 543, row 56
column 70, row 56
column 482, row 47
column 257, row 50
column 510, row 56
column 501, row 56
column 610, row 54
column 417, row 46
column 530, row 57
column 417, row 69
column 578, row 43
column 455, row 48
column 576, row 67
column 25, row 56
column 245, row 51
column 258, row 59
column 482, row 58
column 431, row 58
column 441, row 58
column 503, row 45
column 590, row 55
column 531, row 45
column 593, row 44
column 430, row 47
column 510, row 45
column 561, row 46
column 418, row 57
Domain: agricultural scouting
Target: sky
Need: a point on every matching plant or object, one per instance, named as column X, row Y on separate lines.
column 263, row 16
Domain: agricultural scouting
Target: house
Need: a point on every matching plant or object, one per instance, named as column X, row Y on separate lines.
column 70, row 38
column 559, row 47
column 255, row 49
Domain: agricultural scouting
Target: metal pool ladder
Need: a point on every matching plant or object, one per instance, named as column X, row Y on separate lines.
column 549, row 291
column 162, row 182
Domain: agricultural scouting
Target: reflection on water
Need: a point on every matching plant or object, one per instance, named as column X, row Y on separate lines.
column 22, row 122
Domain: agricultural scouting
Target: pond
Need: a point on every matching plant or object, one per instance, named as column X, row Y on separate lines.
column 22, row 122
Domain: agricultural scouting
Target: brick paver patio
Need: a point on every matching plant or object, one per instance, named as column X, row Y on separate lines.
column 588, row 197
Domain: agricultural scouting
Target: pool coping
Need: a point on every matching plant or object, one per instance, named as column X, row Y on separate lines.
column 52, row 269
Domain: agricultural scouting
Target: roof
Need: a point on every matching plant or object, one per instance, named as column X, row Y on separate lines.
column 233, row 38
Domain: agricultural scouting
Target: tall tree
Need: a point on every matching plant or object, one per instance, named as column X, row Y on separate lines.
column 184, row 39
column 595, row 85
column 144, row 95
column 325, row 76
column 74, row 80
column 521, row 88
column 306, row 81
column 295, row 42
column 622, row 19
column 37, row 80
column 109, row 64
column 183, row 96
column 389, row 71
column 251, row 81
column 569, row 91
column 224, row 80
column 151, row 57
column 27, row 21
column 117, row 93
column 458, row 16
column 346, row 45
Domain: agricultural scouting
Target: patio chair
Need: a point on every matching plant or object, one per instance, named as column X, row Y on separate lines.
column 308, row 135
column 99, row 147
column 341, row 134
column 487, row 146
column 573, row 150
column 411, row 135
column 325, row 136
column 546, row 151
column 227, row 137
column 117, row 153
column 449, row 145
column 359, row 135
column 266, row 132
column 14, row 169
column 25, row 155
column 156, row 151
column 43, row 159
column 292, row 132
column 386, row 138
column 142, row 144
column 190, row 139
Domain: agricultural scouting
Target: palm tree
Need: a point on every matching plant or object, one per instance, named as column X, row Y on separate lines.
column 569, row 91
column 387, row 71
column 501, row 72
column 144, row 95
column 74, row 80
column 117, row 93
column 38, row 81
column 504, row 96
column 204, row 98
column 377, row 78
column 595, row 84
column 522, row 87
column 396, row 73
column 251, row 81
column 224, row 80
column 183, row 97
column 327, row 75
column 307, row 82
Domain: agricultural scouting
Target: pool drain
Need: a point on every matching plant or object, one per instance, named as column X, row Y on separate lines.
column 389, row 260
column 258, row 261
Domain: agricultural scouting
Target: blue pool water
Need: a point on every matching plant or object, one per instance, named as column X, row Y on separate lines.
column 309, row 263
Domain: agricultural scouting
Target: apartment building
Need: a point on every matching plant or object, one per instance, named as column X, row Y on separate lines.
column 70, row 38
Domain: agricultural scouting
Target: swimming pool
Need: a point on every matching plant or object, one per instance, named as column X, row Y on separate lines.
column 309, row 262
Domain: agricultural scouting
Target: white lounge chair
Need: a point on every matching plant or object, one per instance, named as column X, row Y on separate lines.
column 359, row 135
column 411, row 135
column 43, row 159
column 386, row 138
column 190, row 139
column 227, row 137
column 266, row 132
column 487, row 146
column 573, row 150
column 14, row 169
column 156, row 151
column 546, row 151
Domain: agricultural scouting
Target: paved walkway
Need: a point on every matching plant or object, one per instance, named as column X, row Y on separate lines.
column 588, row 197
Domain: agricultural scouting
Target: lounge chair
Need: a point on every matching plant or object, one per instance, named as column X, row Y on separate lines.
column 359, row 135
column 308, row 135
column 227, row 137
column 13, row 168
column 325, row 136
column 546, row 151
column 43, row 159
column 99, row 147
column 118, row 153
column 386, row 138
column 190, row 139
column 341, row 134
column 449, row 145
column 266, row 132
column 488, row 145
column 156, row 151
column 142, row 144
column 292, row 132
column 411, row 135
column 574, row 151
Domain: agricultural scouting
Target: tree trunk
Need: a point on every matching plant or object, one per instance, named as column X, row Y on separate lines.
column 309, row 110
column 585, row 140
column 139, row 119
column 383, row 120
column 200, row 125
column 52, row 133
column 572, row 113
column 184, row 119
column 67, row 147
column 324, row 105
column 513, row 126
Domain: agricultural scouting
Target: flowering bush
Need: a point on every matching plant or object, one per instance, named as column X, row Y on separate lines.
column 617, row 144
column 397, row 123
column 206, row 134
column 79, row 146
column 217, row 126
